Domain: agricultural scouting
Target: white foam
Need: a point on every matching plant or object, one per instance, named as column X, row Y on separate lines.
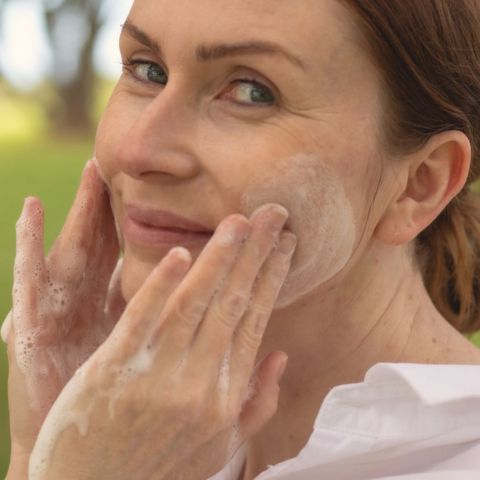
column 321, row 216
column 234, row 443
column 65, row 412
column 74, row 406
column 6, row 327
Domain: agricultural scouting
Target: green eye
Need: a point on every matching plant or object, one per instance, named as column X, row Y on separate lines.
column 149, row 72
column 244, row 92
column 251, row 92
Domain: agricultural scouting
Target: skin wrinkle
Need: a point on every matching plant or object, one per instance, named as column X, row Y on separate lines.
column 372, row 329
column 412, row 322
column 184, row 147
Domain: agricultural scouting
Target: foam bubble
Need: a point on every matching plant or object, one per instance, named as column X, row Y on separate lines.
column 64, row 413
column 223, row 383
column 73, row 407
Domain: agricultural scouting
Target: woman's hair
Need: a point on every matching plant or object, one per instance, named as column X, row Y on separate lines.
column 428, row 52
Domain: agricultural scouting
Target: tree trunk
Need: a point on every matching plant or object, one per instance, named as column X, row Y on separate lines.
column 71, row 115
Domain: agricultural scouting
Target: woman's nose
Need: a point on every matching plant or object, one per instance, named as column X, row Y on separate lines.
column 160, row 140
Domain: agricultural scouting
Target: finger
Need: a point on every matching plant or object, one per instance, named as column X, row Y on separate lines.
column 249, row 333
column 186, row 308
column 143, row 312
column 6, row 327
column 69, row 253
column 29, row 269
column 105, row 250
column 230, row 304
column 115, row 303
column 262, row 402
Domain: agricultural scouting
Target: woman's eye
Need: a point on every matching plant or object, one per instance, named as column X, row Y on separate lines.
column 251, row 92
column 146, row 72
column 246, row 92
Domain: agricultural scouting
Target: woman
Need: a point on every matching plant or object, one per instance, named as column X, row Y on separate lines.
column 357, row 120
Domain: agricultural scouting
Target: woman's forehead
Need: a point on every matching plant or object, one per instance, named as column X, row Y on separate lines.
column 308, row 29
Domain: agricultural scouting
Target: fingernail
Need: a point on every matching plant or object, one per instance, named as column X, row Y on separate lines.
column 282, row 368
column 274, row 207
column 27, row 200
column 288, row 243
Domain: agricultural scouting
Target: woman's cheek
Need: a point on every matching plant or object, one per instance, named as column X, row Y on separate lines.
column 321, row 215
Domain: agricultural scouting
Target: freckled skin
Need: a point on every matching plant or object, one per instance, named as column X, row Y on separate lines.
column 163, row 151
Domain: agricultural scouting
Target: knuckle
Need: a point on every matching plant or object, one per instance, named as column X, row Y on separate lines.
column 269, row 409
column 261, row 308
column 189, row 310
column 280, row 269
column 250, row 339
column 257, row 251
column 233, row 305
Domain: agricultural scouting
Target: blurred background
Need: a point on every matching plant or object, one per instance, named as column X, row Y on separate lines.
column 58, row 63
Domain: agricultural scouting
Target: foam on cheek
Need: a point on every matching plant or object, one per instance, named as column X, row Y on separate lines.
column 320, row 215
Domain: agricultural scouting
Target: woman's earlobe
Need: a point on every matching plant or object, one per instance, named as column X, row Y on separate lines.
column 397, row 227
column 436, row 174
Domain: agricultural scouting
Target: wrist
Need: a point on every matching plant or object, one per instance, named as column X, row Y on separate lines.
column 17, row 471
column 18, row 467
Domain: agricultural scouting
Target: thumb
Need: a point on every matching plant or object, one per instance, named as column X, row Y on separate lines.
column 262, row 405
column 115, row 303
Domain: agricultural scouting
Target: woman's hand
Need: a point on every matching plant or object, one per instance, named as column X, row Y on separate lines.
column 60, row 311
column 167, row 394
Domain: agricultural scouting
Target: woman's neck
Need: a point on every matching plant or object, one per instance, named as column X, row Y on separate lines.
column 379, row 311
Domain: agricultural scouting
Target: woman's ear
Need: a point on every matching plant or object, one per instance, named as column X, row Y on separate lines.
column 430, row 179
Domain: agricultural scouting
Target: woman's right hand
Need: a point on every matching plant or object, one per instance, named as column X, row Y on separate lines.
column 64, row 306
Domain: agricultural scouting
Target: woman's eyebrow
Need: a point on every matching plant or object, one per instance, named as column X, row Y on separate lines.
column 208, row 53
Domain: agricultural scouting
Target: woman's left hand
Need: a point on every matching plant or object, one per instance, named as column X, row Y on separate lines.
column 167, row 393
column 64, row 306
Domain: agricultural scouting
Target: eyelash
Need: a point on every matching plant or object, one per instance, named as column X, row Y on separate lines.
column 129, row 65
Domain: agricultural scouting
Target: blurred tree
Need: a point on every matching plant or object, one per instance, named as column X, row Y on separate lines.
column 73, row 26
column 72, row 29
column 2, row 2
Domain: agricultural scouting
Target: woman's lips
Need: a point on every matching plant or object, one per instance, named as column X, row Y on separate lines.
column 146, row 226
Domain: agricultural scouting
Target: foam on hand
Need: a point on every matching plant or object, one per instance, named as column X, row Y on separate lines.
column 6, row 327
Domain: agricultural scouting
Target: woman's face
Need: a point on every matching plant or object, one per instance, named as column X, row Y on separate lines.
column 205, row 133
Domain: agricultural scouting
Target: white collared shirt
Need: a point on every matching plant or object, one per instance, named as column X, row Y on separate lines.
column 403, row 422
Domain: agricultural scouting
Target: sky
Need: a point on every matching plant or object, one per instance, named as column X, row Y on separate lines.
column 24, row 55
